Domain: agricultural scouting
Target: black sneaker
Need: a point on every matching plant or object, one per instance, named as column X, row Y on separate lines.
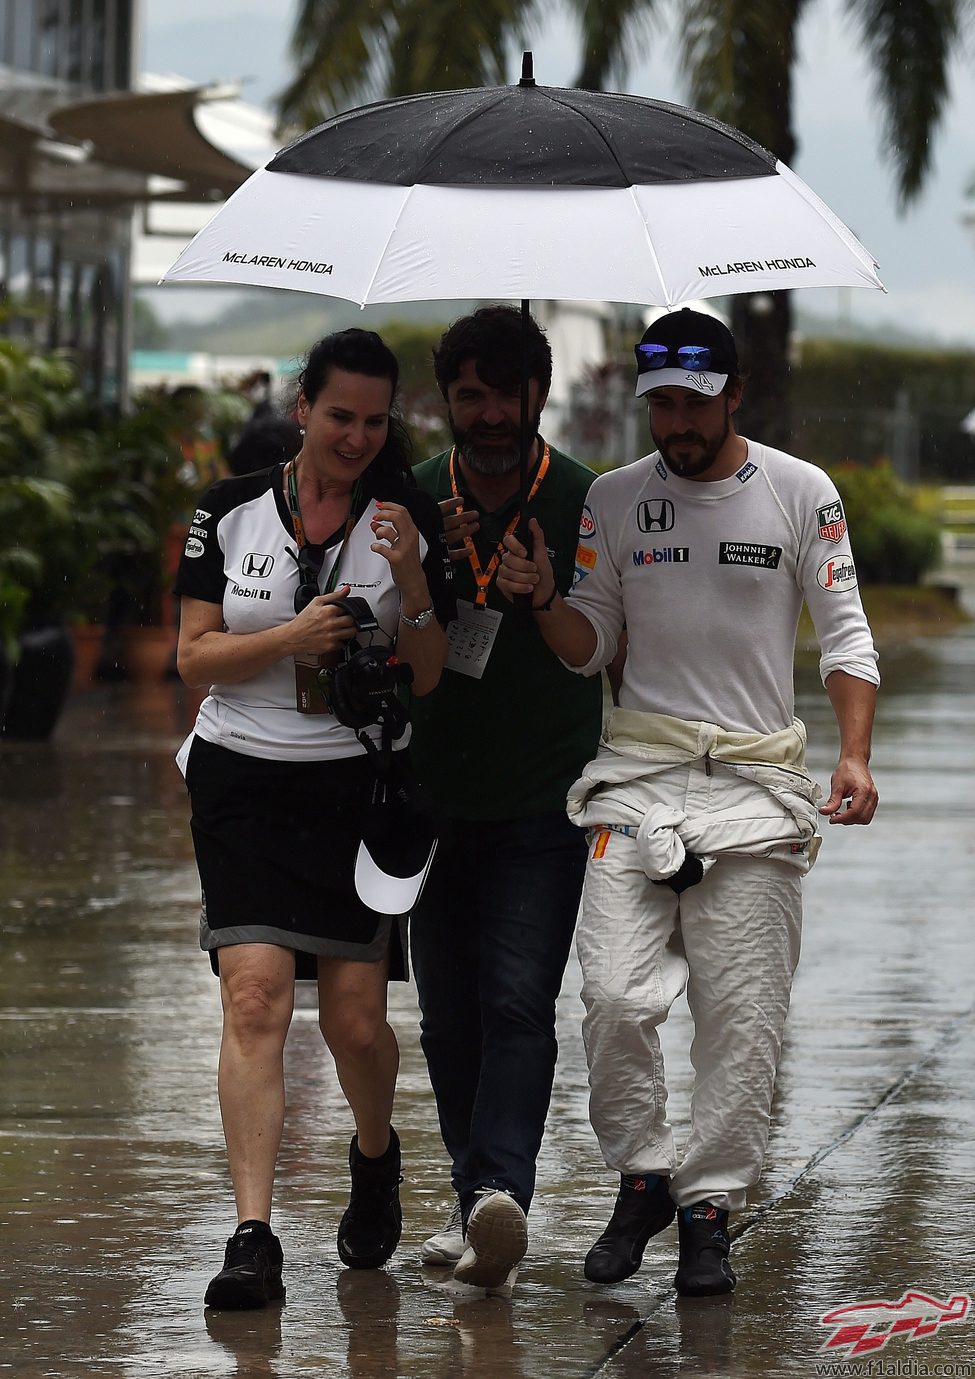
column 251, row 1273
column 373, row 1221
column 643, row 1208
column 703, row 1267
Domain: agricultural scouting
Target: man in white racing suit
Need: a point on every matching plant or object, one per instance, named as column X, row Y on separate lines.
column 702, row 817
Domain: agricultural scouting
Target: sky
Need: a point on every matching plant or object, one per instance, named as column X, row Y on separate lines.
column 926, row 256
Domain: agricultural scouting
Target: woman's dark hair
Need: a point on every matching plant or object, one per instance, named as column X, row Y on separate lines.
column 365, row 352
column 264, row 441
column 492, row 337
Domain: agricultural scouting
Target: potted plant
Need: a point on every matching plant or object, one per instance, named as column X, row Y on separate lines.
column 38, row 537
column 166, row 451
column 66, row 510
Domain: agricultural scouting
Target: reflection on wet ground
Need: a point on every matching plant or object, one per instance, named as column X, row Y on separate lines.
column 115, row 1196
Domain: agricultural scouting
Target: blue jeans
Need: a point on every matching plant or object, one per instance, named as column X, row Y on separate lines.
column 490, row 939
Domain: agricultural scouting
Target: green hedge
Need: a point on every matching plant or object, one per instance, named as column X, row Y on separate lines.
column 843, row 394
column 895, row 541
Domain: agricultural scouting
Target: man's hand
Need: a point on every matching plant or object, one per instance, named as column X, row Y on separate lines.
column 519, row 575
column 853, row 701
column 851, row 782
column 459, row 526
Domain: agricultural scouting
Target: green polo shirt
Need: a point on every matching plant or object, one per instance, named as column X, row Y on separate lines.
column 509, row 745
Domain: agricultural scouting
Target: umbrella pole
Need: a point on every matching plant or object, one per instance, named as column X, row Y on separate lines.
column 526, row 440
column 522, row 532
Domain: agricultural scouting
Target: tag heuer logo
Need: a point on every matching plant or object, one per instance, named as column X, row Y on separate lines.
column 256, row 566
column 832, row 522
column 657, row 514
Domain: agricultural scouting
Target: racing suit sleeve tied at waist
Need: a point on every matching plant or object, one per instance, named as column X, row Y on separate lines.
column 616, row 791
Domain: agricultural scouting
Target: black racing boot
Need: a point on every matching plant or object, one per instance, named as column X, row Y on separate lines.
column 370, row 1228
column 644, row 1207
column 703, row 1267
column 251, row 1273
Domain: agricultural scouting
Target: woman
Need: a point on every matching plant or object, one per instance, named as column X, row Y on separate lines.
column 280, row 796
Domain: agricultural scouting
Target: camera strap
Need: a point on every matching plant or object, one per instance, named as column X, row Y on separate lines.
column 483, row 577
column 392, row 724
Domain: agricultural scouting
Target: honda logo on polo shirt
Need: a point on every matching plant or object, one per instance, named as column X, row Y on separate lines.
column 257, row 566
column 657, row 514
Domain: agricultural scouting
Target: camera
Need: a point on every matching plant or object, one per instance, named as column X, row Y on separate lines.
column 361, row 689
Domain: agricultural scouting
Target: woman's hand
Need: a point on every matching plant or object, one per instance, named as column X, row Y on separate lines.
column 398, row 542
column 322, row 628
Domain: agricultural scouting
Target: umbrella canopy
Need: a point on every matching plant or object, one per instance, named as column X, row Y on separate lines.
column 525, row 191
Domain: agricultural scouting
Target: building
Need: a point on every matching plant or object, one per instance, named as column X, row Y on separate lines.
column 80, row 149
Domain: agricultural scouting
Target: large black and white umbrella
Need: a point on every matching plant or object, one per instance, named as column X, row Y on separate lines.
column 525, row 191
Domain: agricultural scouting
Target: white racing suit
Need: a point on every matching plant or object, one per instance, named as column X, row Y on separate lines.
column 745, row 805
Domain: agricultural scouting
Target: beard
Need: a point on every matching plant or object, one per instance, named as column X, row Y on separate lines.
column 691, row 466
column 492, row 457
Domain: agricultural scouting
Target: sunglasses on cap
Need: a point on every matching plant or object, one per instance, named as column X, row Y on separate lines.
column 695, row 358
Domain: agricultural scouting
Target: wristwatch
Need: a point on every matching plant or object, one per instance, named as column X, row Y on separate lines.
column 419, row 621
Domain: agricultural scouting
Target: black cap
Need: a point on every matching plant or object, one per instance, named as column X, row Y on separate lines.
column 686, row 327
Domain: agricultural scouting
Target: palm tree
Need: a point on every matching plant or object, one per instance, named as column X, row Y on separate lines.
column 739, row 56
column 350, row 51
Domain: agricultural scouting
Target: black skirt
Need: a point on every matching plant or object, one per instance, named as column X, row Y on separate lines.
column 276, row 843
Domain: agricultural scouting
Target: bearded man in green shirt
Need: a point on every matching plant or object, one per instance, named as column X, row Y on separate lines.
column 497, row 745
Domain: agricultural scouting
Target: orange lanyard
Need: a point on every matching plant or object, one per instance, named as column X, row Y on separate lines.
column 482, row 578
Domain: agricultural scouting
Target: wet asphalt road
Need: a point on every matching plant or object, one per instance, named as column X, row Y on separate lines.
column 115, row 1198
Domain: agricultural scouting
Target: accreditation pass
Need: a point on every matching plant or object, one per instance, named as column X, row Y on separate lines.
column 471, row 638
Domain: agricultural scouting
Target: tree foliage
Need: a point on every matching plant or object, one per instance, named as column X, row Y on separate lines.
column 348, row 52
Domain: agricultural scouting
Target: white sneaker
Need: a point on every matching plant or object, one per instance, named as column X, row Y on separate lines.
column 444, row 1249
column 497, row 1240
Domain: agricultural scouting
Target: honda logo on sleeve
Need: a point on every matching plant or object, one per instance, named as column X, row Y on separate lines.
column 657, row 514
column 257, row 566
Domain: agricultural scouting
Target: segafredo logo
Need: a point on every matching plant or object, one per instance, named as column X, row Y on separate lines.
column 193, row 548
column 832, row 521
column 837, row 574
column 866, row 1327
column 587, row 524
column 663, row 555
